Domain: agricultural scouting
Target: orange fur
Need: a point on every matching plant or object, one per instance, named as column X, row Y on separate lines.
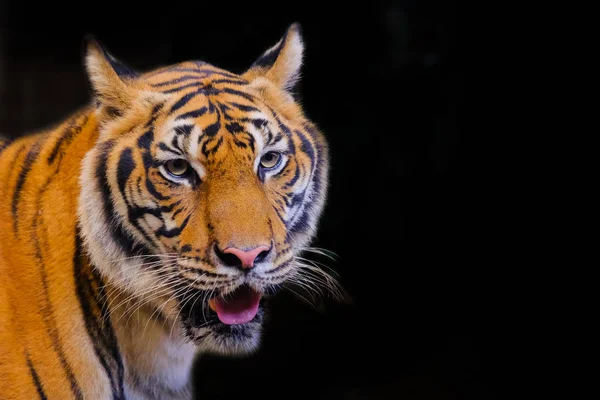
column 38, row 303
column 66, row 299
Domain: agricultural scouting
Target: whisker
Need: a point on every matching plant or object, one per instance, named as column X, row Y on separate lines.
column 299, row 295
column 141, row 301
column 154, row 293
column 316, row 275
column 318, row 264
column 182, row 306
column 131, row 296
column 324, row 252
column 166, row 255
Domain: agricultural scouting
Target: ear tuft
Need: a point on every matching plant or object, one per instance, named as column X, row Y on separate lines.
column 281, row 63
column 92, row 44
column 108, row 76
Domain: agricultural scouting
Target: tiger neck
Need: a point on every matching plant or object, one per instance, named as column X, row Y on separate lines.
column 158, row 359
column 144, row 358
column 141, row 356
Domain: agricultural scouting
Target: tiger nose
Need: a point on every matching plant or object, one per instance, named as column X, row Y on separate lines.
column 235, row 257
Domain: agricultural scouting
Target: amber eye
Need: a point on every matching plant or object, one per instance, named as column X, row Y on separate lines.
column 270, row 160
column 177, row 167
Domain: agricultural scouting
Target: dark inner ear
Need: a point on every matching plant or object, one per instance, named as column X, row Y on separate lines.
column 121, row 69
column 267, row 59
column 282, row 62
column 109, row 78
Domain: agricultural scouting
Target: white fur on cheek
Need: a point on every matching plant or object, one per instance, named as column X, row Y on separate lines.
column 194, row 150
column 105, row 254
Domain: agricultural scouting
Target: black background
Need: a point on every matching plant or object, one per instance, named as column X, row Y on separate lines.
column 384, row 81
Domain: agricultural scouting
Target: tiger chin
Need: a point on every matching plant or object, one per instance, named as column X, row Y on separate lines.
column 154, row 225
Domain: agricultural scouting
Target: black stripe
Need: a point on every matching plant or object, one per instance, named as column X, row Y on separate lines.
column 125, row 167
column 4, row 143
column 64, row 136
column 321, row 154
column 193, row 114
column 200, row 271
column 180, row 88
column 234, row 127
column 67, row 137
column 36, row 379
column 280, row 216
column 225, row 74
column 185, row 99
column 121, row 236
column 251, row 142
column 307, row 147
column 169, row 207
column 212, row 129
column 239, row 93
column 184, row 130
column 48, row 309
column 177, row 212
column 166, row 148
column 294, row 179
column 207, row 152
column 146, row 140
column 154, row 115
column 97, row 320
column 149, row 185
column 300, row 224
column 194, row 282
column 232, row 81
column 244, row 107
column 175, row 231
column 30, row 158
column 240, row 144
column 178, row 80
column 175, row 143
column 296, row 199
column 20, row 150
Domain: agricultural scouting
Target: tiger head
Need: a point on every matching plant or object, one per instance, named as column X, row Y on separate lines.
column 202, row 189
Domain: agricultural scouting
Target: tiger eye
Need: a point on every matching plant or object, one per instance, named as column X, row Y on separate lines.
column 177, row 167
column 270, row 160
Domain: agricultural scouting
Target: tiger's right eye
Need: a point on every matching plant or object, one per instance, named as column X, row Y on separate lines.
column 178, row 168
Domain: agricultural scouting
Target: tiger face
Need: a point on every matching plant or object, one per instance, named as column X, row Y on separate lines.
column 202, row 189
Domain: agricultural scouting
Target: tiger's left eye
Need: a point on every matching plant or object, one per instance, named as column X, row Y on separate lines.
column 270, row 160
column 177, row 167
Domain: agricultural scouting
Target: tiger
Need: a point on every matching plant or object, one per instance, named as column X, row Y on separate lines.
column 154, row 224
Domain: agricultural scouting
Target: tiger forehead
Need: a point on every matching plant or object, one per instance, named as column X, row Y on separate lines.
column 209, row 127
column 191, row 95
column 208, row 107
column 217, row 112
column 175, row 78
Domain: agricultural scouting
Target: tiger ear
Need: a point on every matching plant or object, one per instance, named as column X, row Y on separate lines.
column 281, row 63
column 110, row 79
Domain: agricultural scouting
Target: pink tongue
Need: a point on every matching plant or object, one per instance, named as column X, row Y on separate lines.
column 239, row 307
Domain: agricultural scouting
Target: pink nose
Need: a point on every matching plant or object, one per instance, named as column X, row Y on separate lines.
column 248, row 257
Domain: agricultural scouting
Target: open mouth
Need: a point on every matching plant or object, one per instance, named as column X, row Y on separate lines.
column 237, row 307
column 228, row 323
